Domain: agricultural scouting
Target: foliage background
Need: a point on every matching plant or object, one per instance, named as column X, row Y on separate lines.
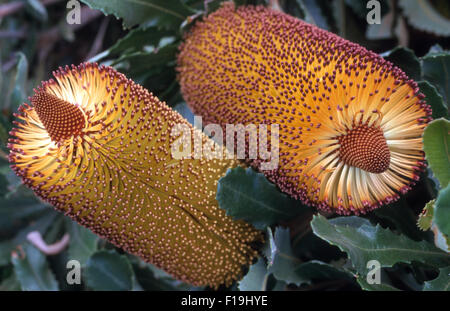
column 304, row 250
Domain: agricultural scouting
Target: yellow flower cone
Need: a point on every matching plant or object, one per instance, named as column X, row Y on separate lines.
column 350, row 123
column 97, row 146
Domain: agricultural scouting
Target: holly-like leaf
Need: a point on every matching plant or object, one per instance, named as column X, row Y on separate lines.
column 406, row 60
column 436, row 69
column 442, row 211
column 83, row 243
column 107, row 270
column 434, row 99
column 364, row 242
column 422, row 15
column 32, row 270
column 162, row 13
column 248, row 195
column 436, row 141
column 441, row 283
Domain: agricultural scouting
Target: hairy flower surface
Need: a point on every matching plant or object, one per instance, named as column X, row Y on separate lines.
column 97, row 146
column 350, row 123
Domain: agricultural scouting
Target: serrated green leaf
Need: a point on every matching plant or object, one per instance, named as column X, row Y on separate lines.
column 163, row 13
column 406, row 60
column 368, row 242
column 436, row 69
column 107, row 270
column 248, row 195
column 441, row 283
column 442, row 211
column 83, row 243
column 256, row 278
column 434, row 99
column 436, row 144
column 422, row 15
column 33, row 271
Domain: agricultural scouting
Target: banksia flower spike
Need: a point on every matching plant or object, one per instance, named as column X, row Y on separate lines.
column 350, row 123
column 97, row 146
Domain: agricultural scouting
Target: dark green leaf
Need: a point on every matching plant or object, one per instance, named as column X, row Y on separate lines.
column 284, row 261
column 16, row 209
column 406, row 60
column 442, row 211
column 434, row 99
column 441, row 283
column 436, row 141
column 400, row 217
column 163, row 13
column 83, row 243
column 436, row 69
column 364, row 242
column 136, row 39
column 107, row 270
column 246, row 194
column 33, row 271
column 141, row 63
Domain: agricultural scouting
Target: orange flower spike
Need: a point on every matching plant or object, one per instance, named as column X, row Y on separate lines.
column 97, row 146
column 350, row 123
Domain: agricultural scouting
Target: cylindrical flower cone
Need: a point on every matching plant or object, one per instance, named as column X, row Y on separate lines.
column 98, row 147
column 350, row 123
